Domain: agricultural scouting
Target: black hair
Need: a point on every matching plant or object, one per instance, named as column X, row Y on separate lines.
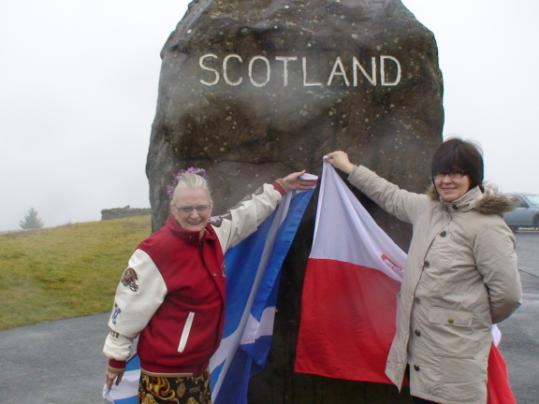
column 458, row 156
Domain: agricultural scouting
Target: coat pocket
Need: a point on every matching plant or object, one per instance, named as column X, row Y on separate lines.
column 453, row 333
column 455, row 318
column 185, row 332
column 461, row 380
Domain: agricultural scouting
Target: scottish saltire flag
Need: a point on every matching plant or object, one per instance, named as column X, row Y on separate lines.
column 253, row 273
column 349, row 296
column 252, row 285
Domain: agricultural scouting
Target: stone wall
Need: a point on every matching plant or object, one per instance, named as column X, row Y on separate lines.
column 126, row 211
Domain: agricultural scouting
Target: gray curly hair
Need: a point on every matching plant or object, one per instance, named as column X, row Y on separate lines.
column 190, row 181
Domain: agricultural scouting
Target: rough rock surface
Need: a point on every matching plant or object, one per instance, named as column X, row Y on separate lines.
column 252, row 90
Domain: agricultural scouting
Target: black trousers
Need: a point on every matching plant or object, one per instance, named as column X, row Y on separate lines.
column 418, row 400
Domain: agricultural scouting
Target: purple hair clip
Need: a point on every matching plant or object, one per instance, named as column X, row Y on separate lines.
column 193, row 170
column 189, row 170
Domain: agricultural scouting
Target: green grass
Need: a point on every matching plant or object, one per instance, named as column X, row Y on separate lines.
column 65, row 271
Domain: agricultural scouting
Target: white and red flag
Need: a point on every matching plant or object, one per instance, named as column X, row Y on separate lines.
column 350, row 292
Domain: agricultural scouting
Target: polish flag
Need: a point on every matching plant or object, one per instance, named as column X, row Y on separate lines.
column 349, row 297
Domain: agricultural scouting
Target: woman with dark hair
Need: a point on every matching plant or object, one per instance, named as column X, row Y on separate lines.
column 460, row 278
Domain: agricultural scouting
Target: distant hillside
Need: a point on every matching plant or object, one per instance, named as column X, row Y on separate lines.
column 65, row 271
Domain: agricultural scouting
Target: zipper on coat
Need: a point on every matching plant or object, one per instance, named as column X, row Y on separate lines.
column 186, row 331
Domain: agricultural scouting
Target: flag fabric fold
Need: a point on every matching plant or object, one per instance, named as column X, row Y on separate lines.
column 351, row 281
column 498, row 387
column 253, row 272
column 349, row 298
column 127, row 391
column 252, row 286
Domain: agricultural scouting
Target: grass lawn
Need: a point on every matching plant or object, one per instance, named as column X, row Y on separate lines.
column 65, row 271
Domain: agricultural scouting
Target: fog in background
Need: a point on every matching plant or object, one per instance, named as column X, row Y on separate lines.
column 78, row 83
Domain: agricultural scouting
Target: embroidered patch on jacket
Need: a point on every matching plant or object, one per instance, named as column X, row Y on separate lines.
column 216, row 221
column 258, row 191
column 129, row 279
column 115, row 313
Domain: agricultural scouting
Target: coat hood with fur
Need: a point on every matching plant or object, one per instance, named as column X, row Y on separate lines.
column 489, row 202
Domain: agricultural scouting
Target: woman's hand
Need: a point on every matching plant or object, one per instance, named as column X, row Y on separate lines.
column 340, row 160
column 293, row 181
column 113, row 377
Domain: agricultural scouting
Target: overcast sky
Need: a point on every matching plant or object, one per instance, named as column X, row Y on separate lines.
column 78, row 90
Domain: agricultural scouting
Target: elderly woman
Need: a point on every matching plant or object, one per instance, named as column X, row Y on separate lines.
column 460, row 276
column 172, row 293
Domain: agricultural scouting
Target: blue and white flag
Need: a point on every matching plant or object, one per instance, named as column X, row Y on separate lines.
column 127, row 391
column 252, row 286
column 253, row 273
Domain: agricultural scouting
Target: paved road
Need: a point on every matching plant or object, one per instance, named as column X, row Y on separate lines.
column 520, row 341
column 60, row 362
column 528, row 251
column 40, row 363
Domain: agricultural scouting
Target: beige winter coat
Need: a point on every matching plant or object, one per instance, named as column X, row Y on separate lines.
column 461, row 276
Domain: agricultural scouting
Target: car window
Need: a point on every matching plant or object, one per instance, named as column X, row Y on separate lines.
column 533, row 199
column 518, row 201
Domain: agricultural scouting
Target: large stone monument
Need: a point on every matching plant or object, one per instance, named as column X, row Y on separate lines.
column 254, row 89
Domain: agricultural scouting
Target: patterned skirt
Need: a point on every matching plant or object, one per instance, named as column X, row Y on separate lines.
column 174, row 390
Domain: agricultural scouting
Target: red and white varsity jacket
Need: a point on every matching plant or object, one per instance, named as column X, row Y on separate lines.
column 172, row 293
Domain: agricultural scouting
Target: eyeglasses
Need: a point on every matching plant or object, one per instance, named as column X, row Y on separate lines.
column 452, row 176
column 189, row 209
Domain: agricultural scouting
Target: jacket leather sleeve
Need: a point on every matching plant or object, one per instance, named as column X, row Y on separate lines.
column 403, row 204
column 496, row 260
column 243, row 219
column 138, row 295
